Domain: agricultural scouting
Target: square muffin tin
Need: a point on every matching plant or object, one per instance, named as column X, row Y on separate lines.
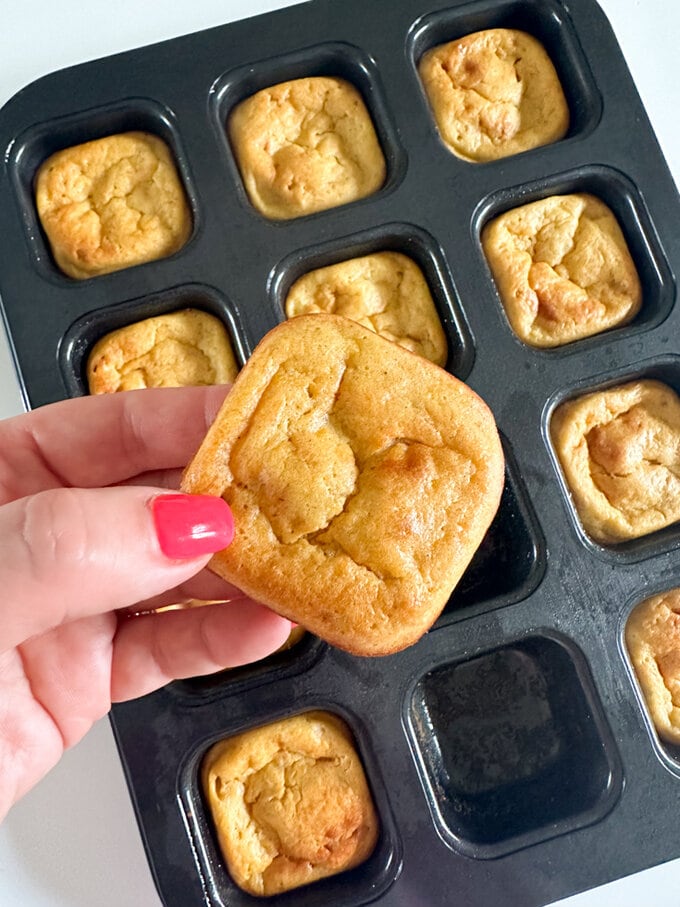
column 509, row 752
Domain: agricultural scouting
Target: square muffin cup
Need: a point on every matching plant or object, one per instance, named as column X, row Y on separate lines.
column 667, row 753
column 546, row 21
column 41, row 141
column 84, row 333
column 351, row 888
column 409, row 240
column 495, row 735
column 628, row 207
column 664, row 369
column 335, row 60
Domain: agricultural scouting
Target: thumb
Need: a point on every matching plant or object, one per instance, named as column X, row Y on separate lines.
column 71, row 552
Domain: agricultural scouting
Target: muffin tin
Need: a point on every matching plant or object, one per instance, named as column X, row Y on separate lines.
column 509, row 752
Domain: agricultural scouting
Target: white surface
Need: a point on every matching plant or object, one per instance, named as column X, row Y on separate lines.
column 73, row 841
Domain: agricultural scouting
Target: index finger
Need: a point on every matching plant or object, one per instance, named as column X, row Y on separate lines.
column 101, row 440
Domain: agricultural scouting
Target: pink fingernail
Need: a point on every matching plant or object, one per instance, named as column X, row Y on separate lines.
column 188, row 525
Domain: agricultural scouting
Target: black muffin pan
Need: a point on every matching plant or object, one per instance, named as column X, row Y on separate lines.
column 509, row 752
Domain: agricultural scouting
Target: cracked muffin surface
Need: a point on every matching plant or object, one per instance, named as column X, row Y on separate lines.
column 304, row 146
column 180, row 349
column 494, row 93
column 290, row 803
column 112, row 203
column 653, row 642
column 562, row 268
column 362, row 479
column 620, row 453
column 386, row 292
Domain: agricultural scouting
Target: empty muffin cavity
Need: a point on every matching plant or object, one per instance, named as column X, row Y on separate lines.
column 497, row 734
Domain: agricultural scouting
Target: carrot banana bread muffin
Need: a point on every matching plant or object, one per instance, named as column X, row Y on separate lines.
column 304, row 146
column 112, row 203
column 562, row 268
column 290, row 803
column 362, row 479
column 494, row 93
column 619, row 449
column 386, row 292
column 653, row 641
column 188, row 347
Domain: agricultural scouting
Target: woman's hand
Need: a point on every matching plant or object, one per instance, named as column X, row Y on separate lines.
column 88, row 534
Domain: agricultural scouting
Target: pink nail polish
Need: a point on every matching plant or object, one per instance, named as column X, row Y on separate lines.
column 189, row 525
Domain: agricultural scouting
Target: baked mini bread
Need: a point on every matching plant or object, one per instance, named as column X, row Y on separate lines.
column 619, row 450
column 306, row 145
column 653, row 643
column 112, row 203
column 362, row 479
column 290, row 803
column 562, row 268
column 494, row 93
column 189, row 347
column 386, row 292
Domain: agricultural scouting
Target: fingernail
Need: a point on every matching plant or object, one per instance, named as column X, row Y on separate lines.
column 189, row 525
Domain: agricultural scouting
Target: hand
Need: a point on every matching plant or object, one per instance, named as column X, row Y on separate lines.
column 85, row 536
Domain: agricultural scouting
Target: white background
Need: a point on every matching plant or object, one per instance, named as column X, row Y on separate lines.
column 73, row 841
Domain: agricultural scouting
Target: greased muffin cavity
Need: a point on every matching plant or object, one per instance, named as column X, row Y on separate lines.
column 362, row 480
column 305, row 146
column 112, row 203
column 386, row 292
column 494, row 93
column 290, row 803
column 562, row 268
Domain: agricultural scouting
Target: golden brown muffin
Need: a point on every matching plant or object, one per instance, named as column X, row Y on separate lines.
column 306, row 145
column 290, row 803
column 620, row 452
column 562, row 268
column 183, row 348
column 653, row 641
column 362, row 479
column 112, row 203
column 494, row 93
column 385, row 292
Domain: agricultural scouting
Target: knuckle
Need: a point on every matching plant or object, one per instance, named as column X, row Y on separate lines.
column 54, row 531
